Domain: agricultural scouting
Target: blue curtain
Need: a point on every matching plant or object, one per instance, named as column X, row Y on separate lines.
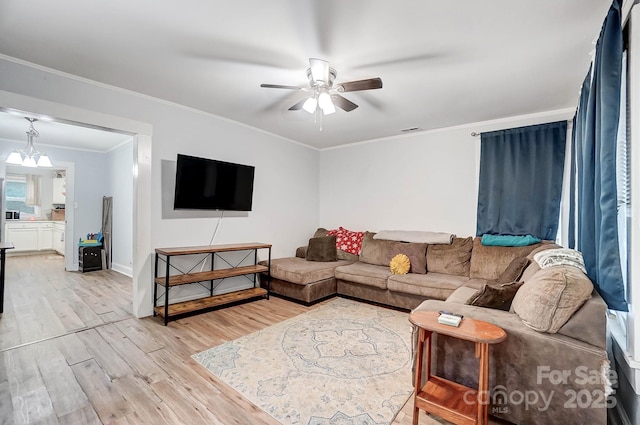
column 521, row 180
column 577, row 135
column 595, row 155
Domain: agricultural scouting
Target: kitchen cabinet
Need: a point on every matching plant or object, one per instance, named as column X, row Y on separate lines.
column 30, row 235
column 24, row 236
column 45, row 236
column 59, row 191
column 58, row 237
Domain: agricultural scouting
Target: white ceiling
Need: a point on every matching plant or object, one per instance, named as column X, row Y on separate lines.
column 442, row 63
column 13, row 127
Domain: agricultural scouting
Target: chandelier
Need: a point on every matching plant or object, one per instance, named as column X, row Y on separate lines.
column 29, row 156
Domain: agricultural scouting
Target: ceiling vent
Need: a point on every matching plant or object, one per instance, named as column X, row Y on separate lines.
column 410, row 129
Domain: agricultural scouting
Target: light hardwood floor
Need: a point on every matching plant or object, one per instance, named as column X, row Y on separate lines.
column 72, row 353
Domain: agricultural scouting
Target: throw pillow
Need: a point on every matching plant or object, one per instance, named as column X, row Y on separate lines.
column 322, row 249
column 548, row 300
column 400, row 264
column 321, row 231
column 451, row 259
column 514, row 271
column 498, row 297
column 347, row 240
column 560, row 256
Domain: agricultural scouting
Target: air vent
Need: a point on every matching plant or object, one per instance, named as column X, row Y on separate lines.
column 410, row 129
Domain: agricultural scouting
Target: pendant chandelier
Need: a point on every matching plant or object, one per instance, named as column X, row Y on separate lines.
column 29, row 156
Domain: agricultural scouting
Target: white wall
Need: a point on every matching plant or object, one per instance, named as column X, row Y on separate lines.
column 120, row 164
column 422, row 181
column 285, row 204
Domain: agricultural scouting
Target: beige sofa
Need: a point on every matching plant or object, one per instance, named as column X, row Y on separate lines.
column 525, row 368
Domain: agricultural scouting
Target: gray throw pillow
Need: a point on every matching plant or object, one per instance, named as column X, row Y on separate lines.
column 322, row 249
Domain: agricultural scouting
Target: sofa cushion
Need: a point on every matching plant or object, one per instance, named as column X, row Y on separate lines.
column 381, row 251
column 322, row 249
column 450, row 259
column 498, row 297
column 366, row 274
column 430, row 285
column 300, row 271
column 301, row 251
column 487, row 262
column 548, row 300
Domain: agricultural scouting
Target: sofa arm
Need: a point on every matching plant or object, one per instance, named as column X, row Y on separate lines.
column 547, row 368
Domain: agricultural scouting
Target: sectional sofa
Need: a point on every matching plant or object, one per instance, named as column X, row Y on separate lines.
column 553, row 366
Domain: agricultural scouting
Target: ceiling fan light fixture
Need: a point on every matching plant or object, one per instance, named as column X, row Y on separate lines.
column 319, row 71
column 325, row 103
column 310, row 105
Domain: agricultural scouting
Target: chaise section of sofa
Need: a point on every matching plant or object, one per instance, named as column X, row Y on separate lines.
column 302, row 280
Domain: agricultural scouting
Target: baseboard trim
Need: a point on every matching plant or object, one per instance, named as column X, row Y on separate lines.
column 127, row 271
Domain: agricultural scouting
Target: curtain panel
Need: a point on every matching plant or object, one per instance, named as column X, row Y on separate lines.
column 596, row 129
column 521, row 172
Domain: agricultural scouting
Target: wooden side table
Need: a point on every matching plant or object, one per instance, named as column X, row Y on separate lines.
column 449, row 400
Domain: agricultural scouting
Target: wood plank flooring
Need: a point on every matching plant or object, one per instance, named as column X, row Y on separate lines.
column 72, row 353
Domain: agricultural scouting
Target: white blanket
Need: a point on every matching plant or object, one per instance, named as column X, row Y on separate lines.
column 416, row 236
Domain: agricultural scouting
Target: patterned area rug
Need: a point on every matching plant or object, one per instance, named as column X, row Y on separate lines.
column 343, row 363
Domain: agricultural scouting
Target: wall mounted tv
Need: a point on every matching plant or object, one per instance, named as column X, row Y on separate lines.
column 208, row 184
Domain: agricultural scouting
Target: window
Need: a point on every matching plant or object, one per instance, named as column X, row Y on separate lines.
column 16, row 196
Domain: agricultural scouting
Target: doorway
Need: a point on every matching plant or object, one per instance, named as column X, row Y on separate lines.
column 141, row 147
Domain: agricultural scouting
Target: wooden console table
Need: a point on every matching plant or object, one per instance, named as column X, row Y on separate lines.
column 449, row 400
column 168, row 280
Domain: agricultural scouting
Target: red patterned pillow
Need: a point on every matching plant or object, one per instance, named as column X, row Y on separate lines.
column 347, row 240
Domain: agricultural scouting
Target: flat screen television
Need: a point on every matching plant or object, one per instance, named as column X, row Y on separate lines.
column 208, row 184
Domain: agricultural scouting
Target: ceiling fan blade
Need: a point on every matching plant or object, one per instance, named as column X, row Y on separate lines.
column 369, row 84
column 298, row 105
column 343, row 103
column 280, row 86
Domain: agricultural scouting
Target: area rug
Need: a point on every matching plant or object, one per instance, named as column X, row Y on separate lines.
column 343, row 363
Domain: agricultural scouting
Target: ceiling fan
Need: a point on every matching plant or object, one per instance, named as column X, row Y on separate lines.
column 321, row 78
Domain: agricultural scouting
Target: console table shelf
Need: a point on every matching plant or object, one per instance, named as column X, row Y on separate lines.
column 169, row 281
column 182, row 279
column 186, row 307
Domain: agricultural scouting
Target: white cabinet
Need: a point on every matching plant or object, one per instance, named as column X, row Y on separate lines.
column 58, row 237
column 45, row 236
column 59, row 191
column 30, row 236
column 23, row 235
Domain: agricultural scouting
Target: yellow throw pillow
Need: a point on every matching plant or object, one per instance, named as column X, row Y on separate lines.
column 400, row 264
